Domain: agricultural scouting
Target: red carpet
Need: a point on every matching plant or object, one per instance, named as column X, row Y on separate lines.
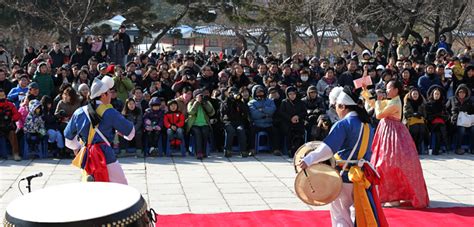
column 456, row 216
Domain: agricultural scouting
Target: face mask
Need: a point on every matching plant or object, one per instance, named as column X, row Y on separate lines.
column 304, row 78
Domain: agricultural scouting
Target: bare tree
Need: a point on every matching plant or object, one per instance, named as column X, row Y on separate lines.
column 445, row 16
column 69, row 17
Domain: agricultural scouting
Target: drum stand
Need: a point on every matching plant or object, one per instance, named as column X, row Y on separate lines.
column 28, row 186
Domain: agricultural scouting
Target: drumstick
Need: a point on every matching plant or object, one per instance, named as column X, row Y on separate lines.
column 310, row 185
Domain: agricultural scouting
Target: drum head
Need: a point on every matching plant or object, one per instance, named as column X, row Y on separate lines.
column 302, row 152
column 77, row 204
column 319, row 186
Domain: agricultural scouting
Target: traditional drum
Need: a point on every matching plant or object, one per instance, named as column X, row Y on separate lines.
column 304, row 150
column 79, row 204
column 318, row 185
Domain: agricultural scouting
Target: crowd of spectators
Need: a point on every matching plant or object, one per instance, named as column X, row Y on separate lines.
column 219, row 102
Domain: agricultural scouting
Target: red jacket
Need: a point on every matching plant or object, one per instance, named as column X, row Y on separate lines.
column 174, row 118
column 10, row 109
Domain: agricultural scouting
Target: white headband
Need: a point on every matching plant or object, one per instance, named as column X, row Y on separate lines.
column 334, row 94
column 345, row 99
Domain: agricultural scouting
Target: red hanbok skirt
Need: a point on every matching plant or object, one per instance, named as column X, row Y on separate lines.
column 396, row 159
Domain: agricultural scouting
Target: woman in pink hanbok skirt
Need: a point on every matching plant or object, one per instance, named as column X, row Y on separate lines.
column 394, row 153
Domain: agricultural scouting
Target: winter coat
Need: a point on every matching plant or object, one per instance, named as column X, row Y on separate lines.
column 45, row 83
column 6, row 85
column 455, row 105
column 436, row 109
column 314, row 108
column 234, row 112
column 261, row 110
column 5, row 57
column 238, row 82
column 34, row 122
column 136, row 119
column 153, row 118
column 57, row 57
column 14, row 95
column 116, row 52
column 416, row 109
column 193, row 107
column 23, row 111
column 403, row 52
column 426, row 81
column 288, row 109
column 182, row 107
column 175, row 118
column 125, row 38
column 164, row 92
column 123, row 86
column 208, row 82
column 323, row 85
column 79, row 58
column 439, row 45
column 68, row 108
column 50, row 121
column 8, row 116
column 347, row 78
column 28, row 58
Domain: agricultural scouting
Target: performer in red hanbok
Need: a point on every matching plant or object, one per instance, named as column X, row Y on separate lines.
column 394, row 153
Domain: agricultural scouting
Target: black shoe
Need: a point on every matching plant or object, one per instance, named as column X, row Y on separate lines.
column 227, row 154
column 199, row 156
column 436, row 152
column 459, row 151
column 244, row 154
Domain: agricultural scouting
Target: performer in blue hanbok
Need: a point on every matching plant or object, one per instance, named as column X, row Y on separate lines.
column 349, row 142
column 95, row 126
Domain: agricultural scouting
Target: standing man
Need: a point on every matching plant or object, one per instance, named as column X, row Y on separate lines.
column 349, row 142
column 95, row 125
column 125, row 38
column 57, row 56
column 347, row 78
column 5, row 56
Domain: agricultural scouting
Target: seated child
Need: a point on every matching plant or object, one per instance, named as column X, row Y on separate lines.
column 34, row 125
column 174, row 123
column 153, row 122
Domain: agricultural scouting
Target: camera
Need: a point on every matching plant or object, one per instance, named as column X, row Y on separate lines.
column 237, row 96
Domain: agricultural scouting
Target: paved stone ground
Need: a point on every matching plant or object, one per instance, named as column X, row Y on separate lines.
column 183, row 185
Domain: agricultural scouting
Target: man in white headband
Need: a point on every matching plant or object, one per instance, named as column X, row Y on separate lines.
column 349, row 141
column 95, row 125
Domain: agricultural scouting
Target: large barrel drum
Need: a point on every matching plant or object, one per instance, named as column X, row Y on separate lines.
column 79, row 204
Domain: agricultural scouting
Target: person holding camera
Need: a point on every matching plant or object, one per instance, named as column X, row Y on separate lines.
column 234, row 114
column 199, row 111
column 123, row 84
column 322, row 128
